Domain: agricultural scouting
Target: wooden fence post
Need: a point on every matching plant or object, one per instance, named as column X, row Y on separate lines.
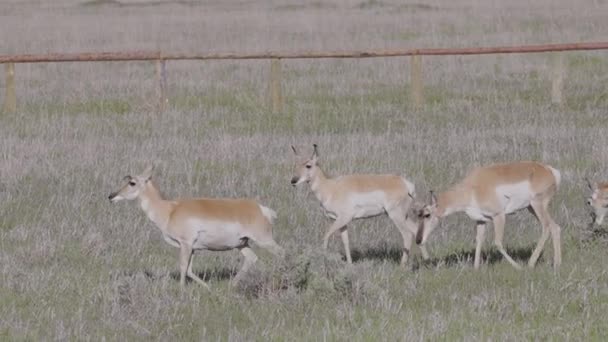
column 10, row 99
column 557, row 82
column 275, row 86
column 161, row 79
column 416, row 94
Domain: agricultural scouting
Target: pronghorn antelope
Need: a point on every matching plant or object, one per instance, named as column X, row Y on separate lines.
column 351, row 197
column 489, row 194
column 203, row 223
column 598, row 201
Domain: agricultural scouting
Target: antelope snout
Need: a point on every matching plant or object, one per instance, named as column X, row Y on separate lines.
column 419, row 236
column 112, row 195
column 294, row 181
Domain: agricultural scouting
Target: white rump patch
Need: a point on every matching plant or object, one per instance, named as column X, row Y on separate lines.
column 557, row 175
column 270, row 214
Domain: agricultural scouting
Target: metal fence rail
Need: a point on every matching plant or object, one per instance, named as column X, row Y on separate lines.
column 416, row 89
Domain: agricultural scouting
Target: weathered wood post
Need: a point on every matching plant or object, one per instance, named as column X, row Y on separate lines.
column 416, row 95
column 276, row 97
column 161, row 79
column 557, row 82
column 10, row 99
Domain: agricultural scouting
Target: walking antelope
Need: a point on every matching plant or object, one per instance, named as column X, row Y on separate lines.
column 598, row 201
column 489, row 194
column 203, row 223
column 351, row 197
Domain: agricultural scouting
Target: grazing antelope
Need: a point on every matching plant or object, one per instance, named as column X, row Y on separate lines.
column 203, row 223
column 598, row 201
column 351, row 197
column 490, row 193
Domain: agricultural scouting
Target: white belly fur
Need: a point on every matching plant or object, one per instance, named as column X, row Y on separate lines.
column 217, row 236
column 328, row 213
column 170, row 240
column 368, row 211
column 367, row 204
column 477, row 214
column 514, row 197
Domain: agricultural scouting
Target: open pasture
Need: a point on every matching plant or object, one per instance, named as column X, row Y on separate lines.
column 74, row 266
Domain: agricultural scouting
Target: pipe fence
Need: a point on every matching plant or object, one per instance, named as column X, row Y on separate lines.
column 416, row 76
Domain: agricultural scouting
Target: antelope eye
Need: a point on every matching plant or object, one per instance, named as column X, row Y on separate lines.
column 427, row 215
column 308, row 166
column 131, row 183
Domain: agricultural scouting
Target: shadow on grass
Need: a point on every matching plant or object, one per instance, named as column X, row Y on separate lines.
column 377, row 253
column 594, row 233
column 216, row 274
column 492, row 256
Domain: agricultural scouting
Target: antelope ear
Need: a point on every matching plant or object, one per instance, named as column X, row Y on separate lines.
column 147, row 174
column 589, row 184
column 293, row 148
column 433, row 198
column 315, row 153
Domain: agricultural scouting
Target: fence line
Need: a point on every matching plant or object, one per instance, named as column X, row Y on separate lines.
column 156, row 55
column 415, row 74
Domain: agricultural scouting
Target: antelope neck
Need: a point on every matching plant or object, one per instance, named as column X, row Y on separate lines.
column 318, row 183
column 155, row 207
column 454, row 200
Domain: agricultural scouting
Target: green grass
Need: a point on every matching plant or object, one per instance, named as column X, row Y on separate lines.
column 74, row 266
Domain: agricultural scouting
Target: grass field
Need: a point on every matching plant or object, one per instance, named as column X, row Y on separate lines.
column 75, row 267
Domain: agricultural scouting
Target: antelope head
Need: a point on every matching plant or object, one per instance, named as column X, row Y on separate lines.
column 598, row 201
column 305, row 168
column 133, row 188
column 428, row 218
